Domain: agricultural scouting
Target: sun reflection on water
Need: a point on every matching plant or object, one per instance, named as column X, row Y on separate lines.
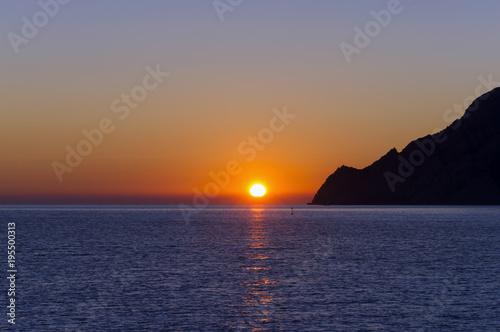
column 258, row 299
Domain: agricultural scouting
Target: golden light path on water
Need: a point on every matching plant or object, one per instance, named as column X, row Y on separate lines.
column 257, row 299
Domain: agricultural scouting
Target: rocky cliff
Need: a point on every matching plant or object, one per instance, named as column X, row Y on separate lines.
column 459, row 165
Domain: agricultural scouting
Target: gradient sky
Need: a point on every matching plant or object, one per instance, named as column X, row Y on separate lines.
column 226, row 77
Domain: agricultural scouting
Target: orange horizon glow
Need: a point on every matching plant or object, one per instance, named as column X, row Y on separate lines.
column 266, row 98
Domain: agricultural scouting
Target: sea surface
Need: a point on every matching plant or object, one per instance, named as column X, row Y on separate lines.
column 254, row 268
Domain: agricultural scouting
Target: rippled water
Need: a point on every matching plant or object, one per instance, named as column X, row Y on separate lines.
column 256, row 269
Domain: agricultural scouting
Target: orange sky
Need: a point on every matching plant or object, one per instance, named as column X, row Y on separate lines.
column 225, row 79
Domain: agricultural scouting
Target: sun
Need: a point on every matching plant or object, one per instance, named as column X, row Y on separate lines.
column 257, row 190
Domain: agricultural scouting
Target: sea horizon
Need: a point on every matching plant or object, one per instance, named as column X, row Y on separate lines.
column 232, row 165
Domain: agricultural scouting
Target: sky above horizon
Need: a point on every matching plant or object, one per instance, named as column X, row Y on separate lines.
column 264, row 95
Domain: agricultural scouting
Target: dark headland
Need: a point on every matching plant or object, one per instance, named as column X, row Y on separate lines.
column 459, row 165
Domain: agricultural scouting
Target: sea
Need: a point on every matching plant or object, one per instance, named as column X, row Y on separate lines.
column 252, row 268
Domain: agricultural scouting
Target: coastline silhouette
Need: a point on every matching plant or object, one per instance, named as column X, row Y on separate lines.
column 459, row 165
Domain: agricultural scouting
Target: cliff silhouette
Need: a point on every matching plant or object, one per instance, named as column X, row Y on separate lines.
column 459, row 165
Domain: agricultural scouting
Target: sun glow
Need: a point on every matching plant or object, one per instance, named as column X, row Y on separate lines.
column 257, row 190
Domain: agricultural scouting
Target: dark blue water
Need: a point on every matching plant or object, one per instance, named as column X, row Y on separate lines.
column 255, row 269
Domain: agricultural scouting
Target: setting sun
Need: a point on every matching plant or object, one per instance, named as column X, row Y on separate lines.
column 257, row 190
